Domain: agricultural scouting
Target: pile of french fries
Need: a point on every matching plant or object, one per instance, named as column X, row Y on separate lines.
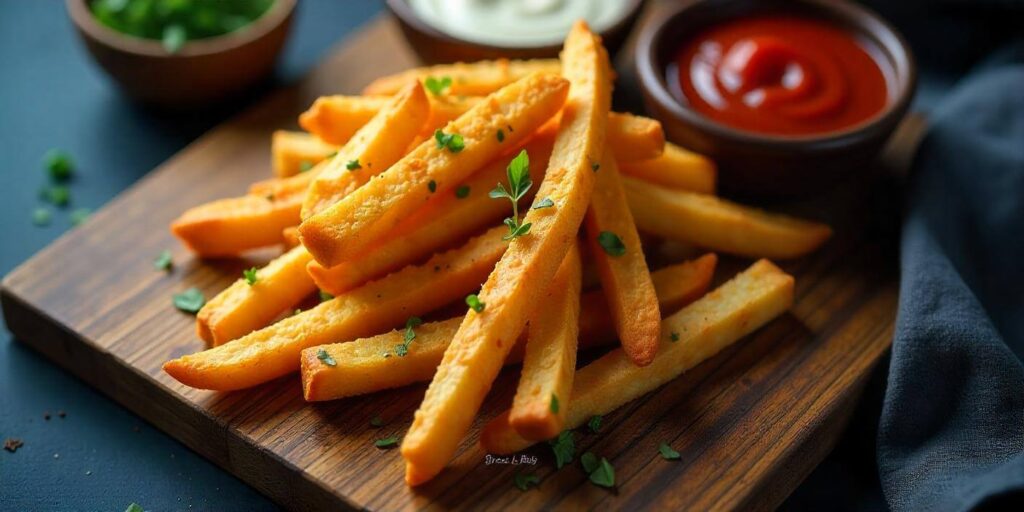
column 401, row 202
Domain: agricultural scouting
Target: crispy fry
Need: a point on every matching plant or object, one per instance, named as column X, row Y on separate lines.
column 274, row 351
column 538, row 410
column 634, row 138
column 290, row 235
column 361, row 370
column 620, row 262
column 375, row 147
column 348, row 228
column 676, row 168
column 335, row 118
column 720, row 225
column 242, row 308
column 468, row 79
column 290, row 152
column 444, row 220
column 484, row 339
column 228, row 227
column 735, row 309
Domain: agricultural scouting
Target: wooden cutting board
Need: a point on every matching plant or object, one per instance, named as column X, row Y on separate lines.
column 750, row 423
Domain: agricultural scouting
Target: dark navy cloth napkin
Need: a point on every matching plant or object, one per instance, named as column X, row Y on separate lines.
column 951, row 434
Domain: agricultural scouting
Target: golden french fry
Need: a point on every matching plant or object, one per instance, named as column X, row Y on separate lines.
column 634, row 138
column 484, row 339
column 702, row 329
column 361, row 370
column 720, row 225
column 616, row 252
column 538, row 409
column 351, row 226
column 676, row 168
column 243, row 308
column 468, row 79
column 371, row 309
column 295, row 152
column 372, row 150
column 444, row 220
column 228, row 227
column 335, row 118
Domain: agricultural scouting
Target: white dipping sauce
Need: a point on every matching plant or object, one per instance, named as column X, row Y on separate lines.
column 517, row 23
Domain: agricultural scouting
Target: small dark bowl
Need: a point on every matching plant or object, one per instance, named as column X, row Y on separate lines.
column 754, row 164
column 434, row 46
column 203, row 71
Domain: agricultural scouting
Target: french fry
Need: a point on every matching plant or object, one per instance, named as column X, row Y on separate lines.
column 242, row 308
column 291, row 238
column 335, row 118
column 376, row 307
column 444, row 220
column 361, row 370
column 374, row 148
column 702, row 329
column 616, row 252
column 634, row 138
column 468, row 79
column 720, row 225
column 478, row 351
column 295, row 152
column 676, row 168
column 349, row 227
column 538, row 409
column 228, row 227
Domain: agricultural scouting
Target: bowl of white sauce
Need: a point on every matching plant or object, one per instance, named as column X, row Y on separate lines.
column 468, row 30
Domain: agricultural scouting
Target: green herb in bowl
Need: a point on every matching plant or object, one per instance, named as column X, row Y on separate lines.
column 174, row 22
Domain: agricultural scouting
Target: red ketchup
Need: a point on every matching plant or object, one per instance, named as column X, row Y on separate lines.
column 780, row 75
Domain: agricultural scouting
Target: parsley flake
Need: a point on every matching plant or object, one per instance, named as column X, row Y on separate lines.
column 79, row 215
column 41, row 217
column 324, row 296
column 462, row 192
column 403, row 348
column 604, row 474
column 134, row 507
column 524, row 481
column 305, row 165
column 387, row 442
column 353, row 165
column 564, row 447
column 377, row 422
column 543, row 203
column 326, row 358
column 595, row 167
column 668, row 453
column 432, row 186
column 453, row 141
column 57, row 195
column 554, row 404
column 189, row 301
column 589, row 461
column 174, row 38
column 164, row 261
column 518, row 173
column 58, row 164
column 674, row 337
column 611, row 243
column 595, row 423
column 474, row 303
column 500, row 135
column 438, row 86
column 249, row 275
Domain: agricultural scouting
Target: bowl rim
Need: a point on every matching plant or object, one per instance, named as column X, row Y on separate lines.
column 863, row 20
column 82, row 17
column 407, row 15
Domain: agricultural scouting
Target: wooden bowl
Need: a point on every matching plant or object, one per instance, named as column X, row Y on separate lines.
column 204, row 70
column 754, row 164
column 434, row 46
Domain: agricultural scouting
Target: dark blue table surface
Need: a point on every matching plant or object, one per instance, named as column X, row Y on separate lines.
column 101, row 456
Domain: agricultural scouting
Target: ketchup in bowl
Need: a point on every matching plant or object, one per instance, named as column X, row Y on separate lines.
column 780, row 75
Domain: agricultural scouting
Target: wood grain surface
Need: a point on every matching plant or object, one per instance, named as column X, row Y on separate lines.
column 750, row 423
